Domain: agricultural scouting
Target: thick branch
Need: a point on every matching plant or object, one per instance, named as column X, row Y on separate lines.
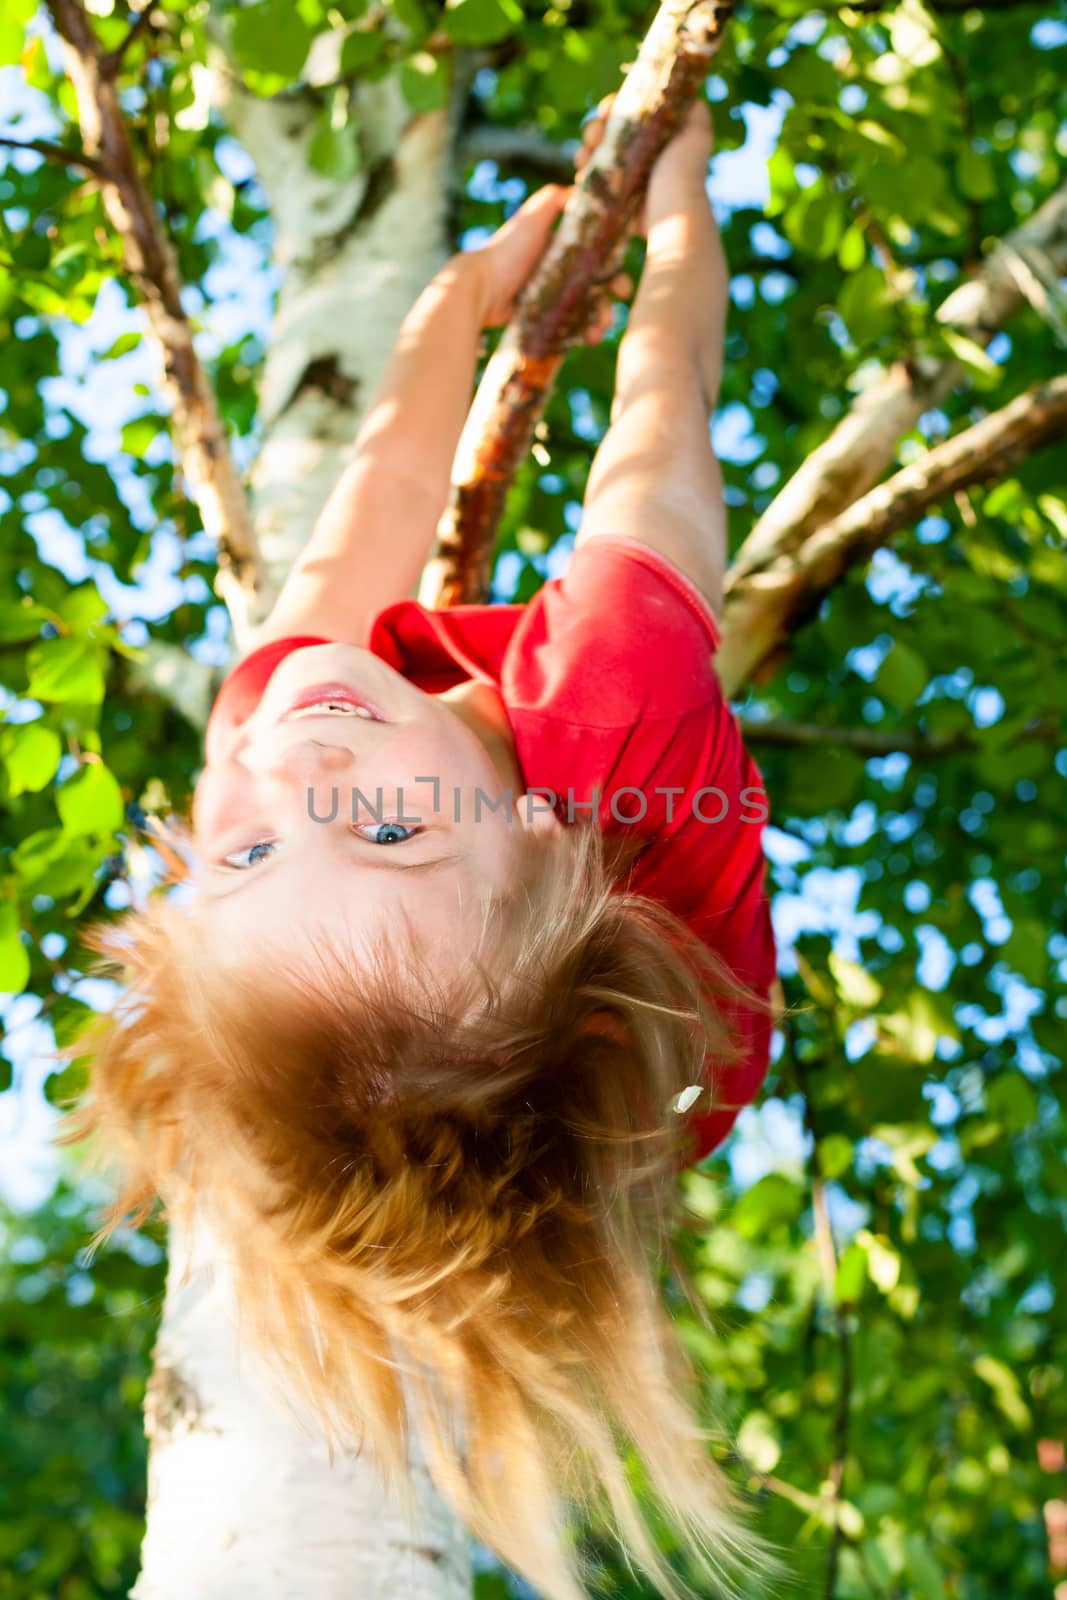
column 862, row 444
column 558, row 303
column 763, row 609
column 199, row 432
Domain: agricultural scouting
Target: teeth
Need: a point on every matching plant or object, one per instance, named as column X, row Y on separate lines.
column 338, row 708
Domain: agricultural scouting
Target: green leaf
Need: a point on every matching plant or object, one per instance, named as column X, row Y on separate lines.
column 413, row 17
column 855, row 986
column 31, row 756
column 271, row 37
column 91, row 801
column 121, row 347
column 903, row 675
column 360, row 48
column 771, row 1203
column 1006, row 1390
column 334, row 151
column 835, row 1154
column 13, row 20
column 140, row 434
column 83, row 606
column 919, row 1025
column 65, row 669
column 424, row 81
column 927, row 1580
column 1055, row 509
column 22, row 620
column 781, row 175
column 864, row 302
column 14, row 957
column 852, row 251
column 481, row 21
column 816, row 220
column 974, row 174
column 851, row 1275
column 983, row 369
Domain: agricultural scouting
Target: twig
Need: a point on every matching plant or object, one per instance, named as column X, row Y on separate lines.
column 826, row 1251
column 57, row 152
column 561, row 298
column 112, row 61
column 764, row 608
column 864, row 741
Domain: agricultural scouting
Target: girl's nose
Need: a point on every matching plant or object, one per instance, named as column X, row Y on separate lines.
column 306, row 761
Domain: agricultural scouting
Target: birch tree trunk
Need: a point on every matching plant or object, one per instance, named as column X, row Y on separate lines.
column 242, row 1497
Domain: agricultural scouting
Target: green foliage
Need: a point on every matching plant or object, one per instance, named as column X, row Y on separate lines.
column 922, row 1075
column 75, row 1341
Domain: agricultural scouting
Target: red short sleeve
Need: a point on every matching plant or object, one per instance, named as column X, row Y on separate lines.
column 613, row 696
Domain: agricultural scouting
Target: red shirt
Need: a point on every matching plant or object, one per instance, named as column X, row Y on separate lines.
column 612, row 697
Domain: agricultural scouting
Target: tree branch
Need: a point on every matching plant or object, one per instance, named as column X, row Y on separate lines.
column 199, row 431
column 558, row 303
column 781, row 734
column 56, row 152
column 521, row 147
column 862, row 444
column 763, row 608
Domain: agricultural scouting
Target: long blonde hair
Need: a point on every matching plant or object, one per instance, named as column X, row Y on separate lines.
column 473, row 1177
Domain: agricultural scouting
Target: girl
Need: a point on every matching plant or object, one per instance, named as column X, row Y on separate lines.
column 427, row 1046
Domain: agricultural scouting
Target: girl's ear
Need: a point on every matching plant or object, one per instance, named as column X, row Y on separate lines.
column 535, row 812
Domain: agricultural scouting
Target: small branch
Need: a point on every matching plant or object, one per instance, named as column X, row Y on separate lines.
column 764, row 608
column 561, row 298
column 199, row 431
column 863, row 741
column 521, row 147
column 112, row 61
column 871, row 7
column 57, row 153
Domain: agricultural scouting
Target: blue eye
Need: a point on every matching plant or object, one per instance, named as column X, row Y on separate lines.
column 385, row 832
column 251, row 855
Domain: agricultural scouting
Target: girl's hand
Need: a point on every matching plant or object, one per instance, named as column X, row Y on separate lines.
column 507, row 261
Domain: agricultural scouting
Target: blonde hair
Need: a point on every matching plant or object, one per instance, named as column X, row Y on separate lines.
column 475, row 1175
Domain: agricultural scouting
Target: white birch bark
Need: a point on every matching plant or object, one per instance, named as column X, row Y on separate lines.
column 243, row 1498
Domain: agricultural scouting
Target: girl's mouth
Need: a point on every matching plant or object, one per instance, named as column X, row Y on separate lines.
column 333, row 699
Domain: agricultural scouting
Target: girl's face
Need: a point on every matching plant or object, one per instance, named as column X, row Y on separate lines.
column 349, row 798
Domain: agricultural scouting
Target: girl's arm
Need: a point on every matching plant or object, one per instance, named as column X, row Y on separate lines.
column 377, row 528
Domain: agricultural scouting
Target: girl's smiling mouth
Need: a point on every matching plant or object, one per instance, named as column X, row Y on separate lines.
column 333, row 699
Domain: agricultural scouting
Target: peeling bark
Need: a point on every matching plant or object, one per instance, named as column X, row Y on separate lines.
column 559, row 301
column 199, row 431
column 861, row 447
column 765, row 607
